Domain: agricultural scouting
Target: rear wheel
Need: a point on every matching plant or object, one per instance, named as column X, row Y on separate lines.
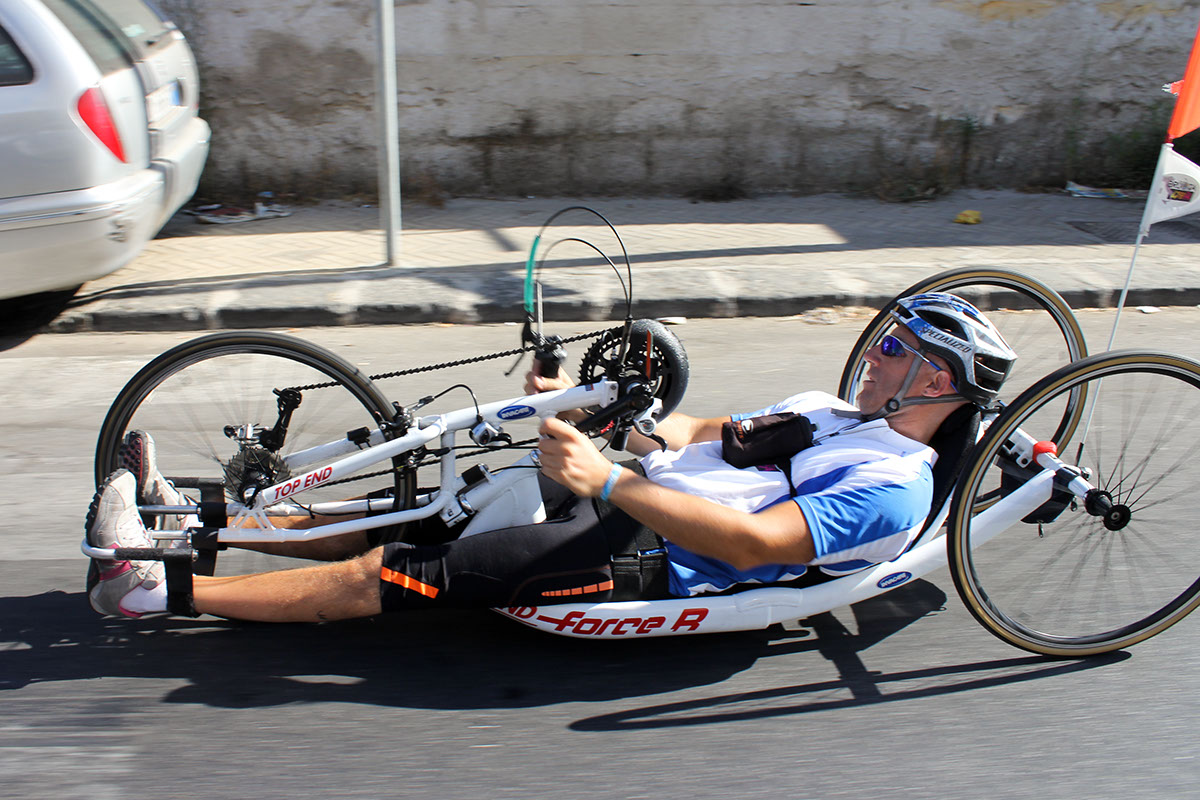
column 207, row 403
column 1077, row 583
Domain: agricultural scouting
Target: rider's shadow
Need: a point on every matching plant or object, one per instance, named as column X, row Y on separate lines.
column 435, row 659
column 855, row 685
column 427, row 659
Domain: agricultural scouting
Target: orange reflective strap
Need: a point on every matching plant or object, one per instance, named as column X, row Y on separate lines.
column 596, row 587
column 412, row 584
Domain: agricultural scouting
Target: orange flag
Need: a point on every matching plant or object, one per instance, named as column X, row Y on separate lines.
column 1187, row 108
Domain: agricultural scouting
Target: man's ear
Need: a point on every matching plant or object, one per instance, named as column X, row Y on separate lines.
column 942, row 383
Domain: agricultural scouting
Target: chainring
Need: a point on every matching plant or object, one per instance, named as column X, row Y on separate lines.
column 664, row 366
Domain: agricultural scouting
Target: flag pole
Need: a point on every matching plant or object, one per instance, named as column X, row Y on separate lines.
column 1185, row 118
column 1143, row 230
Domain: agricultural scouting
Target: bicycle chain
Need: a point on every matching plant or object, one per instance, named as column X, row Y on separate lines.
column 446, row 365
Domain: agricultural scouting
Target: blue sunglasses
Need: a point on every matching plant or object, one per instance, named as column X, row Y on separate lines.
column 892, row 347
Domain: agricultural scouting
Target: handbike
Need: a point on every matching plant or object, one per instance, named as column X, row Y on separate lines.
column 256, row 427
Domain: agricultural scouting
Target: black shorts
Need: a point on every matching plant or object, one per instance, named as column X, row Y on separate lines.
column 569, row 558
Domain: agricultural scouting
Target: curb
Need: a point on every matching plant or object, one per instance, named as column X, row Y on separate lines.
column 126, row 320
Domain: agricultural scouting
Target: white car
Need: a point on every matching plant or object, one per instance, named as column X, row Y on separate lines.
column 100, row 138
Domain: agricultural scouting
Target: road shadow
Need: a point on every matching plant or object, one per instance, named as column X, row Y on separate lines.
column 21, row 318
column 435, row 660
column 864, row 687
column 856, row 685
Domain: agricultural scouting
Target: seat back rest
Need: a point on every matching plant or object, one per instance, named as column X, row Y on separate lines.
column 952, row 442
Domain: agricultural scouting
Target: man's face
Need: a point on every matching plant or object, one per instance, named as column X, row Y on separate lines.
column 885, row 374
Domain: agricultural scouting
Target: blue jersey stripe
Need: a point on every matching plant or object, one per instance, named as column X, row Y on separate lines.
column 850, row 519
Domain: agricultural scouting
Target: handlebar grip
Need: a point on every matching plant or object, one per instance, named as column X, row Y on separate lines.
column 549, row 361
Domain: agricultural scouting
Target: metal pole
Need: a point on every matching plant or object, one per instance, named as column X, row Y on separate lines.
column 389, row 147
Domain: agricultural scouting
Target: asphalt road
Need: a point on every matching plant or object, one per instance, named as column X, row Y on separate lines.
column 901, row 696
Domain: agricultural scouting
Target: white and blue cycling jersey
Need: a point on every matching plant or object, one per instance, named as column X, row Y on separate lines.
column 864, row 490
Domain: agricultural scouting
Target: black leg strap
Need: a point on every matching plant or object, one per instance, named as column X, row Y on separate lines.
column 178, row 567
column 213, row 515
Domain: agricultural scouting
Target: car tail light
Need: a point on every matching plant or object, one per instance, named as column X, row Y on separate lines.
column 93, row 110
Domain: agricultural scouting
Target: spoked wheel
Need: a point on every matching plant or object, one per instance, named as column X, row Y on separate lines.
column 208, row 402
column 1036, row 322
column 1079, row 583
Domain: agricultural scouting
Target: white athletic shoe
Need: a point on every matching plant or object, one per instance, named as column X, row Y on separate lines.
column 113, row 521
column 137, row 454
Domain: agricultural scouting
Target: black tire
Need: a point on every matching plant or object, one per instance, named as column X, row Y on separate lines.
column 1073, row 586
column 1042, row 342
column 668, row 360
column 187, row 396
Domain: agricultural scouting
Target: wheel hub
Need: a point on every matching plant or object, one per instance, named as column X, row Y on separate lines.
column 1117, row 517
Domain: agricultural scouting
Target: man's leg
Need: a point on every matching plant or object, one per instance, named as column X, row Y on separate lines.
column 566, row 560
column 554, row 562
column 341, row 590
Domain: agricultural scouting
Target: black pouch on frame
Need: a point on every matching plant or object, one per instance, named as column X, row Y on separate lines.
column 769, row 439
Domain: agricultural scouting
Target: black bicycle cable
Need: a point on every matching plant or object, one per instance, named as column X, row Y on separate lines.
column 625, row 290
column 532, row 269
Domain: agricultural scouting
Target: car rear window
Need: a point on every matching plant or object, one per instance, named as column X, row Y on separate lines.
column 140, row 24
column 114, row 33
column 14, row 67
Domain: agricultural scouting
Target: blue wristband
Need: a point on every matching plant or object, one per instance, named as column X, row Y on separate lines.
column 613, row 474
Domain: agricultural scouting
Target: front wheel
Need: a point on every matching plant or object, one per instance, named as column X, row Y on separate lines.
column 207, row 403
column 1078, row 584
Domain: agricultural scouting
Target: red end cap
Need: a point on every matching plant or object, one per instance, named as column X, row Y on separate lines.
column 1045, row 447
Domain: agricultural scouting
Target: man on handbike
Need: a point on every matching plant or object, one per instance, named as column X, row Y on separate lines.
column 680, row 522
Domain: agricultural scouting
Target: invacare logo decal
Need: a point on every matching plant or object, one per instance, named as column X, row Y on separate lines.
column 895, row 579
column 516, row 412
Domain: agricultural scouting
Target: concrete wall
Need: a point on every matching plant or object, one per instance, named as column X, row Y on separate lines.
column 705, row 96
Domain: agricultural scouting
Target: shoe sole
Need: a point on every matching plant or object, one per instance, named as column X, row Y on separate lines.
column 93, row 573
column 131, row 455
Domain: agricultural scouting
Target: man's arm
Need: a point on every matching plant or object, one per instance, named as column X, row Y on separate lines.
column 677, row 430
column 777, row 535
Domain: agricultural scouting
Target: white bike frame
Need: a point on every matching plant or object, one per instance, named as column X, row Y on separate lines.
column 453, row 500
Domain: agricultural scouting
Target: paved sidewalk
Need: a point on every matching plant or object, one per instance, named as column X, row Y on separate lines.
column 773, row 255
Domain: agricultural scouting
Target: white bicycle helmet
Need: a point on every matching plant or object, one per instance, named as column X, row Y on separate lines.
column 955, row 330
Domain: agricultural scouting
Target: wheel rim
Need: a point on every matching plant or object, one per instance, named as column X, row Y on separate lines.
column 1083, row 584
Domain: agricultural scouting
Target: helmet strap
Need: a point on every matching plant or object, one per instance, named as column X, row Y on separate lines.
column 899, row 400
